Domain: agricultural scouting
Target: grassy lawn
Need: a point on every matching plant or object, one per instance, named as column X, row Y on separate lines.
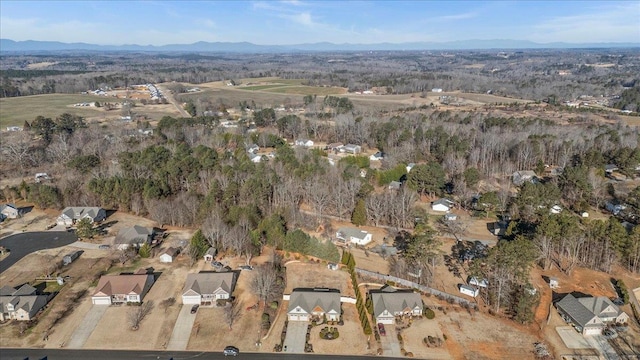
column 260, row 87
column 14, row 111
column 308, row 90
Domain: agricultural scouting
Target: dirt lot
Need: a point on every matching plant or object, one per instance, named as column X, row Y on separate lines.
column 34, row 220
column 477, row 336
column 307, row 275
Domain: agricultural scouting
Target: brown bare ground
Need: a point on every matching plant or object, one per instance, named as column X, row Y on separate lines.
column 352, row 340
column 310, row 275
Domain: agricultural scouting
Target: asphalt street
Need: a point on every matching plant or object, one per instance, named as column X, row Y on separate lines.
column 24, row 244
column 64, row 354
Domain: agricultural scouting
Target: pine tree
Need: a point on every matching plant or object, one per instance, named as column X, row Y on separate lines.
column 359, row 215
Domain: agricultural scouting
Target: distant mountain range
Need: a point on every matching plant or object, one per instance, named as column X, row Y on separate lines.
column 7, row 45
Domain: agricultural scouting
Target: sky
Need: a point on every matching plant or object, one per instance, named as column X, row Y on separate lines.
column 299, row 21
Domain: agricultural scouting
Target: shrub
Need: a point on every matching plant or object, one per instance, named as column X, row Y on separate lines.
column 429, row 314
column 273, row 305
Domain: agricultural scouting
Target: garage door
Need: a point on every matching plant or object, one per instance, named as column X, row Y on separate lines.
column 386, row 321
column 101, row 301
column 295, row 317
column 191, row 300
column 592, row 331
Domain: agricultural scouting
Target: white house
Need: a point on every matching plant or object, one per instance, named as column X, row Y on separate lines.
column 304, row 142
column 468, row 290
column 355, row 236
column 71, row 215
column 204, row 288
column 409, row 167
column 555, row 209
column 210, row 254
column 168, row 255
column 389, row 303
column 124, row 288
column 443, row 205
column 436, row 90
column 305, row 304
column 351, row 149
column 255, row 158
column 478, row 282
column 9, row 211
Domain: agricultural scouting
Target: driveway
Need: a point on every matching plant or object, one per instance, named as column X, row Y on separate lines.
column 389, row 342
column 571, row 338
column 21, row 245
column 182, row 329
column 601, row 344
column 296, row 336
column 86, row 327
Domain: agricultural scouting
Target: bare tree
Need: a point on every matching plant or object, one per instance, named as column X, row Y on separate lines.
column 232, row 312
column 167, row 303
column 264, row 282
column 136, row 314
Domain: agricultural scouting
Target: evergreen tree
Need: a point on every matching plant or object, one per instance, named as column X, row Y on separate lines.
column 359, row 215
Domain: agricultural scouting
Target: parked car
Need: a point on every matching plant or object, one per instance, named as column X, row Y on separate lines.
column 217, row 264
column 381, row 329
column 194, row 308
column 246, row 267
column 104, row 247
column 231, row 350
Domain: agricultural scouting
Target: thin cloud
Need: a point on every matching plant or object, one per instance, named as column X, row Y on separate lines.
column 456, row 17
column 611, row 23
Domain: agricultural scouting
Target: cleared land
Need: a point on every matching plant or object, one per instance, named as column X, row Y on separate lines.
column 14, row 111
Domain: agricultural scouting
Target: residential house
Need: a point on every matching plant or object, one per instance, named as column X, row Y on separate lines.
column 410, row 166
column 614, row 206
column 351, row 149
column 555, row 209
column 443, row 205
column 21, row 304
column 478, row 282
column 377, row 156
column 395, row 185
column 389, row 303
column 204, row 288
column 169, row 254
column 73, row 214
column 306, row 304
column 210, row 254
column 520, row 177
column 255, row 158
column 253, row 148
column 9, row 211
column 610, row 168
column 335, row 147
column 468, row 290
column 304, row 142
column 589, row 315
column 123, row 288
column 450, row 217
column 355, row 236
column 134, row 236
column 41, row 176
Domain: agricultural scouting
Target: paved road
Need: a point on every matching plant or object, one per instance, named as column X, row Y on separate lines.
column 63, row 354
column 169, row 96
column 182, row 329
column 28, row 242
column 86, row 327
column 296, row 336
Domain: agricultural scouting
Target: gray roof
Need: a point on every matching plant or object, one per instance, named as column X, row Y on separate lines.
column 309, row 299
column 349, row 232
column 24, row 298
column 393, row 300
column 78, row 212
column 445, row 202
column 574, row 309
column 598, row 305
column 133, row 234
column 208, row 282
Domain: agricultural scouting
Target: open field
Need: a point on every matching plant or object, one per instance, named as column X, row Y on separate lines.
column 14, row 111
column 232, row 97
column 309, row 90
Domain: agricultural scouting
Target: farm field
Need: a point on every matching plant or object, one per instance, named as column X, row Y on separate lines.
column 14, row 111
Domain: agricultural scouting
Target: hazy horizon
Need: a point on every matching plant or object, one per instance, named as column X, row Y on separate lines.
column 302, row 22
